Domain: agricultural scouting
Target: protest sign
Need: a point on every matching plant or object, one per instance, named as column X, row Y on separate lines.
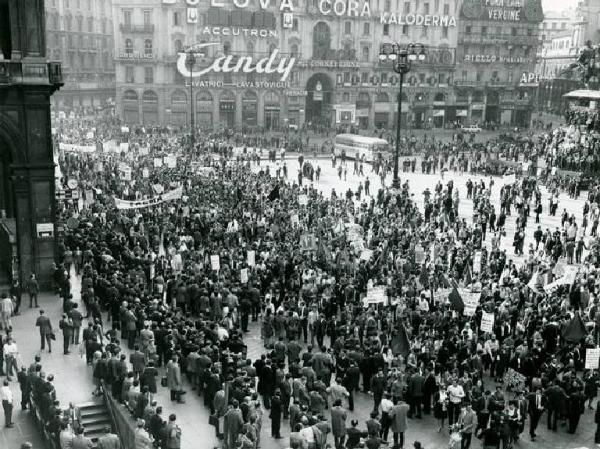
column 302, row 200
column 487, row 322
column 251, row 258
column 158, row 162
column 215, row 262
column 470, row 300
column 76, row 148
column 366, row 254
column 308, row 242
column 170, row 161
column 89, row 135
column 375, row 295
column 124, row 147
column 509, row 179
column 145, row 173
column 244, row 275
column 419, row 254
column 592, row 357
column 139, row 204
column 143, row 151
column 477, row 262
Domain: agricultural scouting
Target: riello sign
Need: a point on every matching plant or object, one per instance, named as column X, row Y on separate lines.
column 232, row 64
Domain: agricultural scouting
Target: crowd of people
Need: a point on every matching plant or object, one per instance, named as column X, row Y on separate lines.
column 422, row 310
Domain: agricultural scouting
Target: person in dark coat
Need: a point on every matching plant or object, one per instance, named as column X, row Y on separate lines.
column 575, row 408
column 415, row 392
column 276, row 410
column 266, row 383
column 535, row 408
column 148, row 377
column 66, row 325
column 555, row 401
column 25, row 387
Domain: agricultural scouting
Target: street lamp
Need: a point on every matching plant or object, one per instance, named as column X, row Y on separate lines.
column 190, row 62
column 401, row 57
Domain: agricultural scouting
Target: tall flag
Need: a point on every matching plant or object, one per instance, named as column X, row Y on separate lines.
column 274, row 194
column 456, row 301
column 575, row 330
column 468, row 278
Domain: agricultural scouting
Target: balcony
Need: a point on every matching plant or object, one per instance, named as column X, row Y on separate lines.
column 498, row 83
column 466, row 83
column 147, row 28
column 19, row 72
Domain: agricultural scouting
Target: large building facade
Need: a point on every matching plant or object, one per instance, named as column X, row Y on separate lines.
column 273, row 64
column 80, row 36
column 498, row 42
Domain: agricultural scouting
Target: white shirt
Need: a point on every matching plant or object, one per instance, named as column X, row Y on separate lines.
column 386, row 405
column 456, row 393
column 6, row 394
column 10, row 349
column 309, row 434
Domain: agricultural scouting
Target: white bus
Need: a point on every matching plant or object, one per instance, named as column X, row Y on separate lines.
column 368, row 148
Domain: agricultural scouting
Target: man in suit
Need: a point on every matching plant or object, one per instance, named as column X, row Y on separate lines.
column 109, row 440
column 398, row 419
column 174, row 379
column 576, row 407
column 338, row 423
column 415, row 391
column 536, row 404
column 33, row 288
column 233, row 425
column 66, row 325
column 77, row 318
column 555, row 401
column 137, row 360
column 43, row 322
column 80, row 441
column 275, row 415
column 468, row 422
column 351, row 381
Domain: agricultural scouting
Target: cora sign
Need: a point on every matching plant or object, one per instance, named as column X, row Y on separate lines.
column 231, row 64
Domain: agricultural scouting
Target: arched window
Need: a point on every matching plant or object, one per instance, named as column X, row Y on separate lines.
column 128, row 46
column 294, row 50
column 179, row 96
column 347, row 27
column 204, row 96
column 321, row 40
column 150, row 96
column 346, row 97
column 226, row 48
column 178, row 46
column 382, row 97
column 148, row 47
column 130, row 95
column 365, row 53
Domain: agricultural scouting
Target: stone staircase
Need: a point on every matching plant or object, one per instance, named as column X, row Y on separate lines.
column 94, row 417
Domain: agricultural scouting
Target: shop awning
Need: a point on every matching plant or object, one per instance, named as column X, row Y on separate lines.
column 461, row 112
column 439, row 113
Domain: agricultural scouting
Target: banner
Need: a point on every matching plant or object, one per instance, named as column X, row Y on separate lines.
column 509, row 179
column 215, row 262
column 244, row 275
column 375, row 295
column 124, row 147
column 110, row 146
column 302, row 200
column 487, row 322
column 567, row 279
column 592, row 357
column 158, row 162
column 169, row 196
column 170, row 161
column 76, row 148
column 366, row 254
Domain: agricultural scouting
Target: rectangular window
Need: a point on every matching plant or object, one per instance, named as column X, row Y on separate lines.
column 436, row 6
column 424, row 31
column 406, row 7
column 479, row 76
column 554, row 25
column 386, row 29
column 405, row 30
column 295, row 25
column 446, row 9
column 425, row 8
column 513, row 31
column 441, row 78
column 483, row 31
column 148, row 75
column 127, row 18
column 388, row 5
column 464, row 75
column 348, row 27
column 421, row 78
column 365, row 54
column 346, row 77
column 495, row 75
column 364, row 77
column 468, row 29
column 175, row 19
column 384, row 79
column 129, row 75
column 147, row 17
column 445, row 32
column 366, row 29
column 529, row 32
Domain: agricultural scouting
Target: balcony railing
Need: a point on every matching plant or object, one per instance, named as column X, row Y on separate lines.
column 147, row 28
column 466, row 83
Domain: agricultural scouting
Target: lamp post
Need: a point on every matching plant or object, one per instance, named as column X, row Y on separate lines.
column 190, row 62
column 401, row 57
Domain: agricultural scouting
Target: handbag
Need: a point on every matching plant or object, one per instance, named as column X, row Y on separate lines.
column 213, row 420
column 163, row 381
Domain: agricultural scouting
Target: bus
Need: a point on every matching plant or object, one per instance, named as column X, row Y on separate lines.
column 367, row 148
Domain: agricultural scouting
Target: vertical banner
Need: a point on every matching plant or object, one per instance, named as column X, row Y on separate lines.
column 244, row 275
column 487, row 322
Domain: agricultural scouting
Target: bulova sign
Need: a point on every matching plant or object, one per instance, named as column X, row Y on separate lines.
column 244, row 64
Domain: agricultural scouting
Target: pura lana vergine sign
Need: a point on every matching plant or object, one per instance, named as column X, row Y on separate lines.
column 232, row 64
